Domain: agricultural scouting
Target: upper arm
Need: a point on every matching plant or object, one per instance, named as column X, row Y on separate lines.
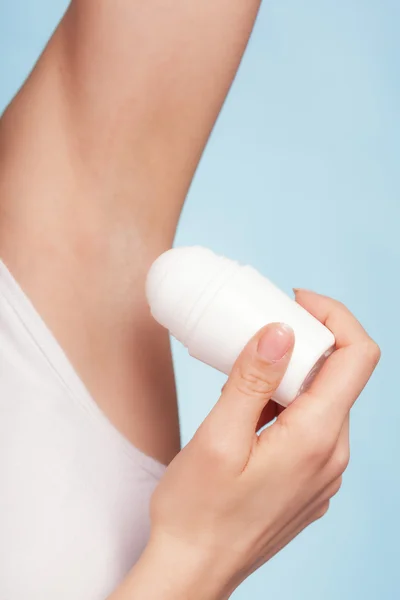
column 127, row 92
column 146, row 80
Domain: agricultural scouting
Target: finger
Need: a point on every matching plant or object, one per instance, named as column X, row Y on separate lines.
column 254, row 379
column 335, row 316
column 341, row 455
column 345, row 373
column 334, row 391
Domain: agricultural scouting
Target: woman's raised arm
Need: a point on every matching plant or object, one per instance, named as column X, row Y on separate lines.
column 97, row 152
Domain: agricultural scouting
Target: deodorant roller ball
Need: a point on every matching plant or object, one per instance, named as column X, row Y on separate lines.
column 214, row 306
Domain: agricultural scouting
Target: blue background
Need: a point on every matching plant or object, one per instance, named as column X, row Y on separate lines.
column 301, row 179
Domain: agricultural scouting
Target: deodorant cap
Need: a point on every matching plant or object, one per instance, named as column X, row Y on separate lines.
column 214, row 305
column 179, row 281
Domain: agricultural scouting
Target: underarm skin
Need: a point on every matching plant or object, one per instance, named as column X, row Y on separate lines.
column 97, row 152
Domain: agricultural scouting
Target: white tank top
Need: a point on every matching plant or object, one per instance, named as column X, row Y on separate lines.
column 74, row 493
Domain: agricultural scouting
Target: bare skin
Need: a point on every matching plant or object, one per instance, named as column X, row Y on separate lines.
column 97, row 152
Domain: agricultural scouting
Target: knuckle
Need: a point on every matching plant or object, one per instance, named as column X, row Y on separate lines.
column 316, row 444
column 318, row 447
column 322, row 510
column 369, row 352
column 337, row 484
column 338, row 305
column 340, row 462
column 373, row 352
column 218, row 453
column 252, row 381
column 213, row 448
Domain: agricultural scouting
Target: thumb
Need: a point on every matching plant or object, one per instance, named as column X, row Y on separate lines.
column 253, row 381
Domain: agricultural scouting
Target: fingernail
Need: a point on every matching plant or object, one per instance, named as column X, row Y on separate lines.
column 275, row 342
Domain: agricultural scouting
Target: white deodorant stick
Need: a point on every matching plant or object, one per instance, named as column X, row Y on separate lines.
column 214, row 306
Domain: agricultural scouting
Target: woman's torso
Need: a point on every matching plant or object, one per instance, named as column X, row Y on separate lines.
column 74, row 501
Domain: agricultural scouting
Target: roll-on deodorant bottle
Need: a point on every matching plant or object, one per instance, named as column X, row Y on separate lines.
column 214, row 306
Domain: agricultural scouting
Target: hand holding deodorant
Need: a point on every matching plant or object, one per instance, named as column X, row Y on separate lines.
column 214, row 306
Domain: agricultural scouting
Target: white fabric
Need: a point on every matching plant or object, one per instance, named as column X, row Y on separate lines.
column 74, row 494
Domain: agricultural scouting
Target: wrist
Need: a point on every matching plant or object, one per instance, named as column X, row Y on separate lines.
column 190, row 569
column 171, row 570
